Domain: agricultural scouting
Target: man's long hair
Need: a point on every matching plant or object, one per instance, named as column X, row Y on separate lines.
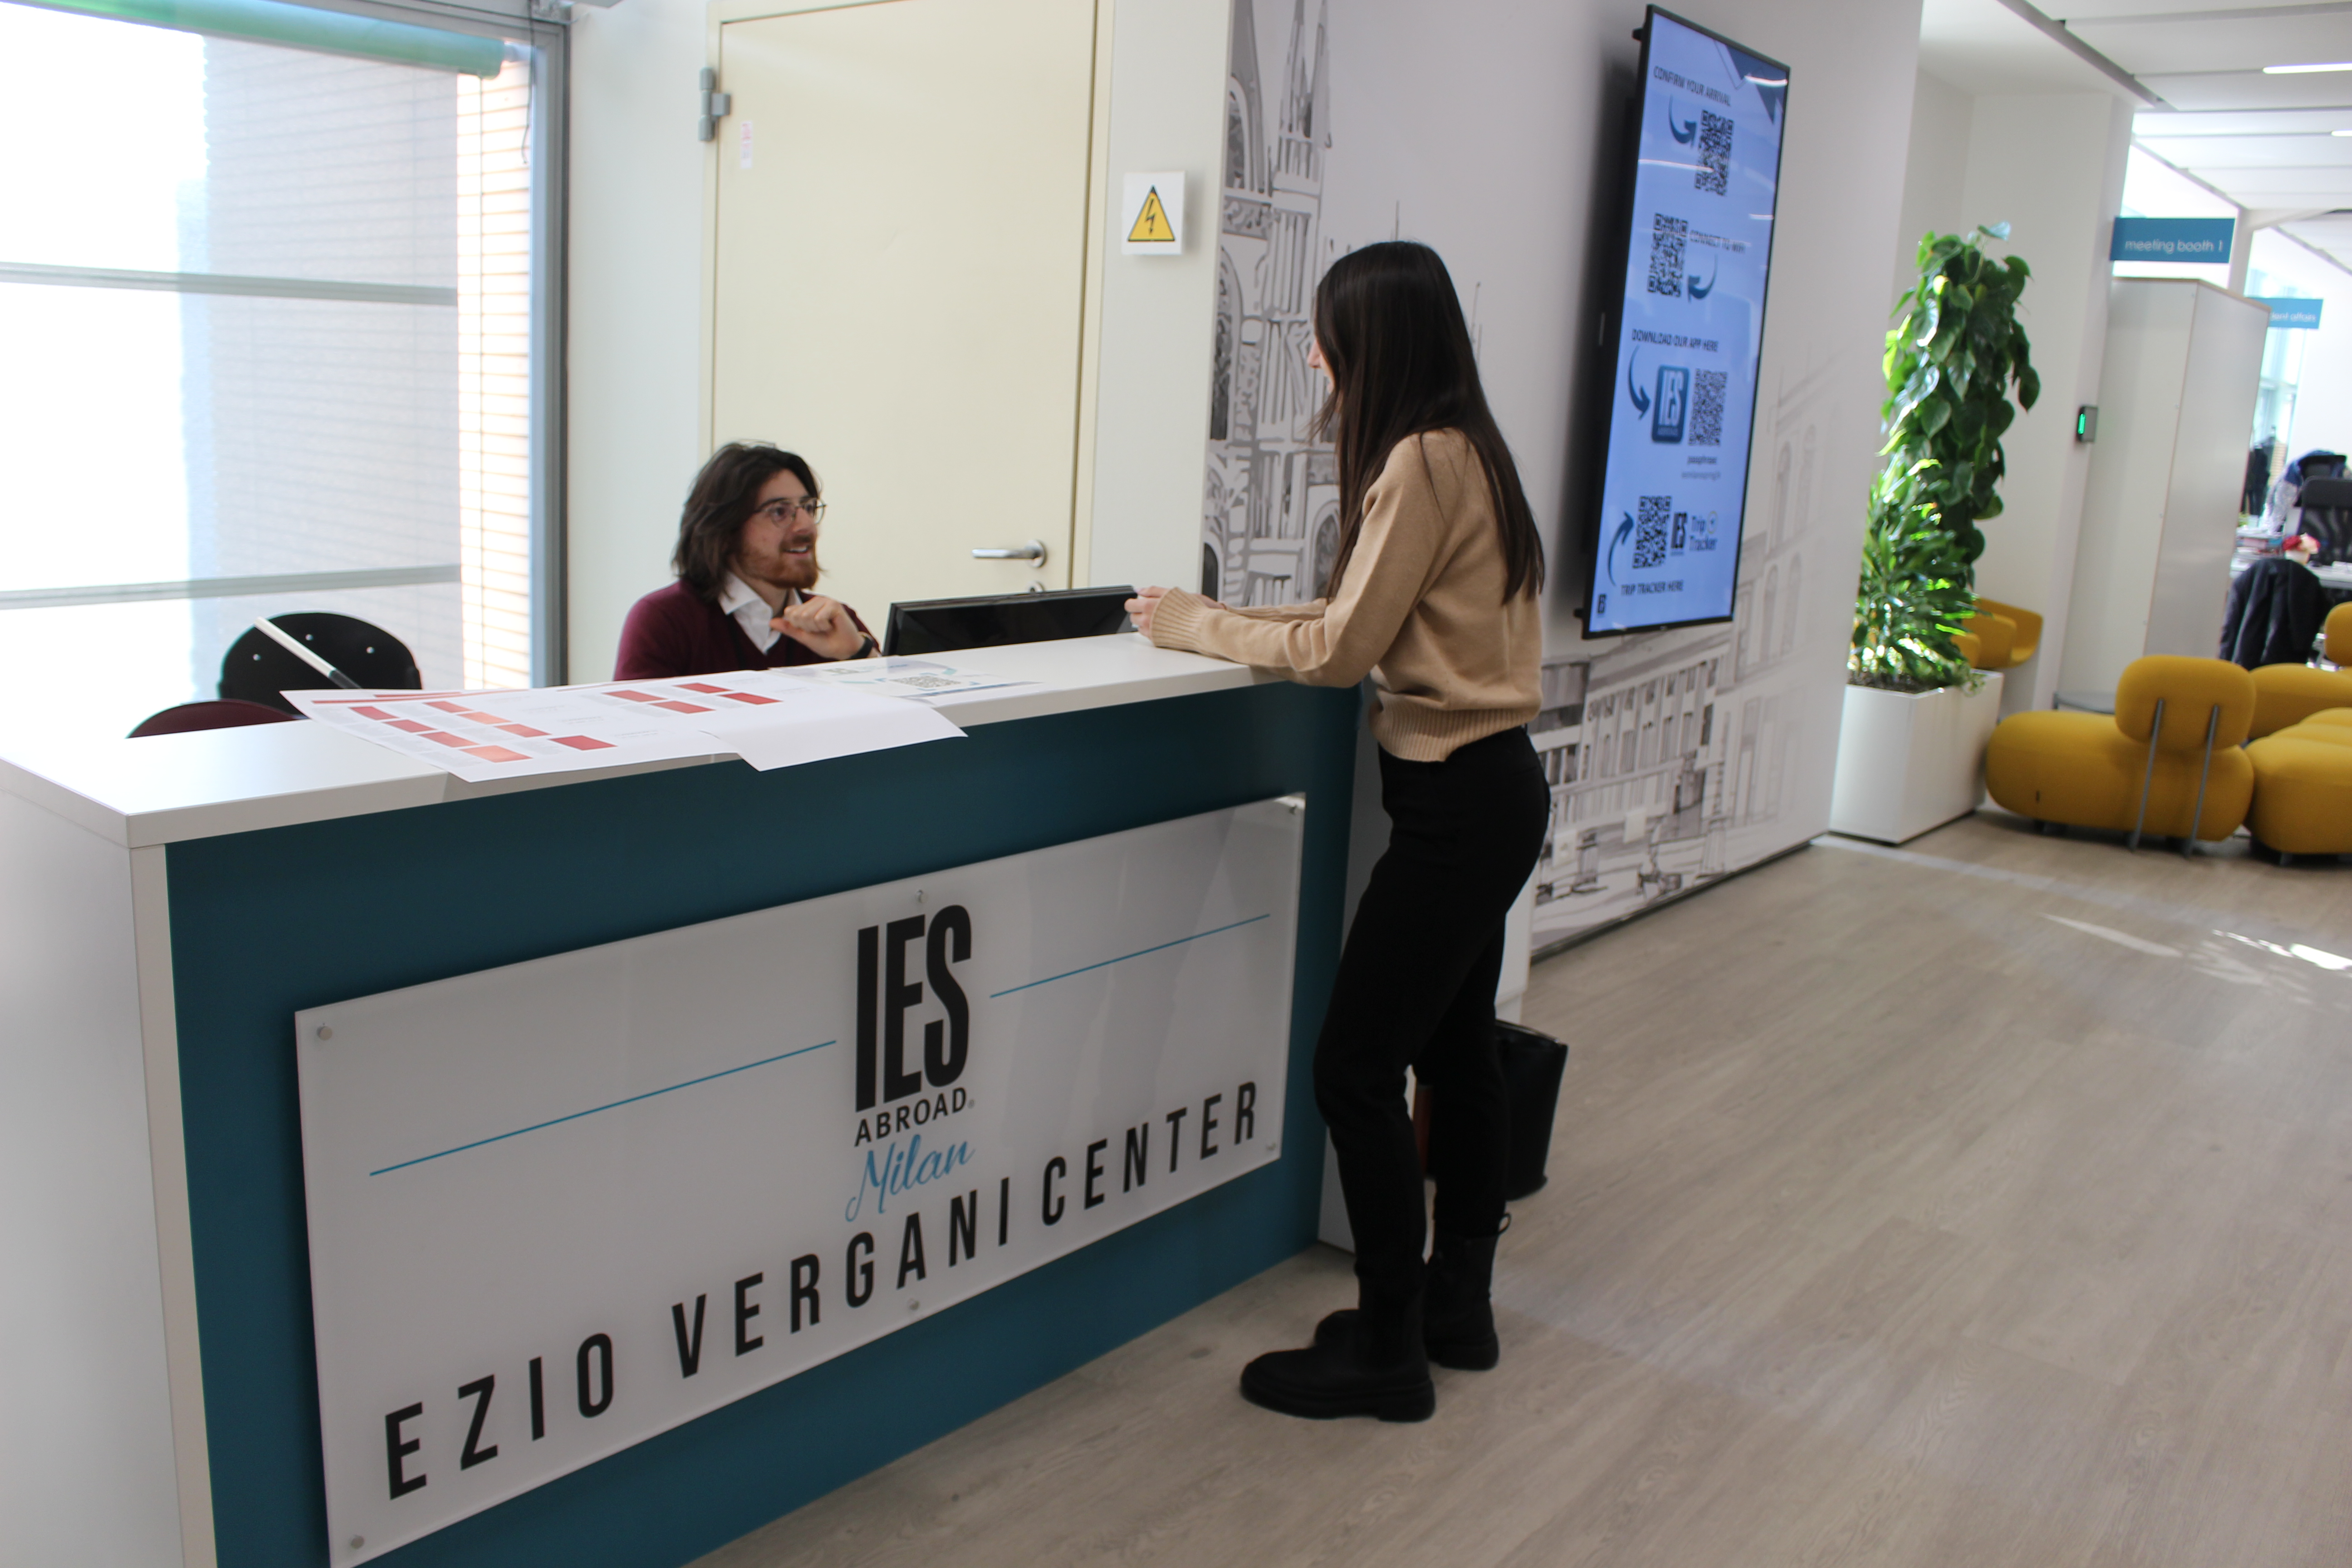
column 718, row 506
column 1402, row 365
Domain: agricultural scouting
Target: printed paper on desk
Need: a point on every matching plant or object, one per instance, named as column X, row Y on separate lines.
column 810, row 722
column 922, row 679
column 769, row 720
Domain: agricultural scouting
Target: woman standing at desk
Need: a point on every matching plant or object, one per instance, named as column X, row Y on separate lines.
column 1434, row 591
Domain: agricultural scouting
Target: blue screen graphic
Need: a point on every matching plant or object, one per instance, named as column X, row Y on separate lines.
column 1683, row 397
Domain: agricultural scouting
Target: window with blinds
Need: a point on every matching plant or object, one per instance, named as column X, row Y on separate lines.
column 268, row 316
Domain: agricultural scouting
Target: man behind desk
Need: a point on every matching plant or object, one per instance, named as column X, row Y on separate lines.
column 746, row 559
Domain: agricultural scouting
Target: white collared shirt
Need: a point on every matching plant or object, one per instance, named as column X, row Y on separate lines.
column 751, row 611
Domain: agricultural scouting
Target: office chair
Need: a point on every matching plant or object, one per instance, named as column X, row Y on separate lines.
column 256, row 670
column 229, row 713
column 2328, row 517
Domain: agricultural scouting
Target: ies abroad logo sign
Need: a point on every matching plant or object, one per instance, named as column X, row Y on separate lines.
column 560, row 1206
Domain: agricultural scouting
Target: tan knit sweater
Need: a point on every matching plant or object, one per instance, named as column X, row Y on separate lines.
column 1420, row 608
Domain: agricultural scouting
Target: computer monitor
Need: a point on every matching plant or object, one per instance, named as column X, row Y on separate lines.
column 944, row 625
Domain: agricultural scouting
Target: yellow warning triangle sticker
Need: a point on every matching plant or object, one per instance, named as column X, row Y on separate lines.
column 1151, row 225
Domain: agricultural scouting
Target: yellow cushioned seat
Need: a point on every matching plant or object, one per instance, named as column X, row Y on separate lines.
column 1995, row 637
column 2334, row 718
column 2288, row 694
column 2087, row 770
column 2319, row 733
column 2005, row 637
column 2302, row 791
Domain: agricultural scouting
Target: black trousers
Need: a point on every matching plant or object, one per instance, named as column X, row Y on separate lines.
column 1416, row 988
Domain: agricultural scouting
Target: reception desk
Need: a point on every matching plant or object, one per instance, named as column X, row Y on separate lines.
column 172, row 908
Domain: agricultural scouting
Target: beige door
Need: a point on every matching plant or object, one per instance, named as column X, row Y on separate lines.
column 900, row 271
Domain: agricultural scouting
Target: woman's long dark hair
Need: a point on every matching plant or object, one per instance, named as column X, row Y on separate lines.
column 718, row 506
column 1391, row 330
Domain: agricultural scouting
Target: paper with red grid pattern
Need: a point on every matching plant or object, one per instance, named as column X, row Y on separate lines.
column 769, row 719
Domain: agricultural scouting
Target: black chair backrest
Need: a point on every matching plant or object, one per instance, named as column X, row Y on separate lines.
column 256, row 670
column 2328, row 517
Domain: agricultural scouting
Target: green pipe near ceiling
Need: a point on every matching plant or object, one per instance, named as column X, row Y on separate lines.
column 305, row 27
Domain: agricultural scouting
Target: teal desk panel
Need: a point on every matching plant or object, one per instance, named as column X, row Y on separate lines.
column 266, row 923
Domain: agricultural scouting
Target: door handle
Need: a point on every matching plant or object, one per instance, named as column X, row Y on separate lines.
column 1033, row 550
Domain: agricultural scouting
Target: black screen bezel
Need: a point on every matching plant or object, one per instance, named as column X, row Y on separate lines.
column 1596, row 521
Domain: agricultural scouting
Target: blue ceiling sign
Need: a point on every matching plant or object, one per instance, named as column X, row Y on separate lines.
column 2291, row 315
column 2204, row 241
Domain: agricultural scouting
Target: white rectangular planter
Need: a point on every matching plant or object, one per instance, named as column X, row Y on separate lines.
column 1910, row 761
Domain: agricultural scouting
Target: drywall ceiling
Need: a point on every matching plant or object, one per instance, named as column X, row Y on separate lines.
column 1985, row 47
column 2268, row 142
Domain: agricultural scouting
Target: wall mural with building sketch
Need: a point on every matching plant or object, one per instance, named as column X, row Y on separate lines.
column 1270, row 508
column 1674, row 757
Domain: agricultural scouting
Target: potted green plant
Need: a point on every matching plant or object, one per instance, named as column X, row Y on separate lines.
column 1958, row 368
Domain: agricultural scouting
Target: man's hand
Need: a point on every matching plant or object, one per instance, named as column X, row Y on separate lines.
column 1142, row 607
column 821, row 625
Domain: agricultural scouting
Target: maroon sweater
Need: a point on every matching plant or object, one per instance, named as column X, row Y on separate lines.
column 670, row 632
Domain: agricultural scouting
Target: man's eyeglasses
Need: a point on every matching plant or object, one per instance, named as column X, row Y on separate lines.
column 781, row 510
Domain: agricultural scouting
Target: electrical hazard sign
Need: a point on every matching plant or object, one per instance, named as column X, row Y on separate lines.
column 1151, row 224
column 1152, row 220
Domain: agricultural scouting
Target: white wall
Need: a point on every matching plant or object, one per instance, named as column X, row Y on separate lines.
column 635, row 309
column 1935, row 173
column 2323, row 402
column 2051, row 166
column 1159, row 314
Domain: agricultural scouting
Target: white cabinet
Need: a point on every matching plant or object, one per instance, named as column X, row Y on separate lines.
column 2176, row 409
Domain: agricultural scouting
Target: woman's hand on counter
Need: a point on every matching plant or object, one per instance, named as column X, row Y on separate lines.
column 1141, row 608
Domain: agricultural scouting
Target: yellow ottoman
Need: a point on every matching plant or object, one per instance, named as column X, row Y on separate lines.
column 2288, row 694
column 2302, row 792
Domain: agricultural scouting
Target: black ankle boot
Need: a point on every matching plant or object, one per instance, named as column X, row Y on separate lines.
column 1367, row 1363
column 1459, row 1315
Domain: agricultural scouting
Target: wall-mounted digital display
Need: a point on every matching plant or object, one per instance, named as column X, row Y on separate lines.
column 1689, row 329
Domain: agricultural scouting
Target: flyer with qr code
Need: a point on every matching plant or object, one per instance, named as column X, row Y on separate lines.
column 1689, row 333
column 920, row 679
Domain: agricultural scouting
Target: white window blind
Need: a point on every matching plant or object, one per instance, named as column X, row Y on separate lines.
column 267, row 327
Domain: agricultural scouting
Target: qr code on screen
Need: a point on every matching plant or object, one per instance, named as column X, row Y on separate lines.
column 1666, row 256
column 1650, row 531
column 1706, row 408
column 1714, row 152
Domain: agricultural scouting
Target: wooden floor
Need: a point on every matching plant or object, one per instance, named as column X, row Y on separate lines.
column 1985, row 1202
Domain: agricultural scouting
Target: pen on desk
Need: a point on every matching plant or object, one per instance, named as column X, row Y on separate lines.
column 263, row 625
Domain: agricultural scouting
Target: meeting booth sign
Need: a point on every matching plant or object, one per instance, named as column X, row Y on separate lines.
column 558, row 1207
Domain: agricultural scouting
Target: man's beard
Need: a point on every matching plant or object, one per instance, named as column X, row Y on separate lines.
column 798, row 573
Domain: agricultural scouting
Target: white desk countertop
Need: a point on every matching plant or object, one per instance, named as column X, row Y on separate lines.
column 2338, row 575
column 165, row 788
